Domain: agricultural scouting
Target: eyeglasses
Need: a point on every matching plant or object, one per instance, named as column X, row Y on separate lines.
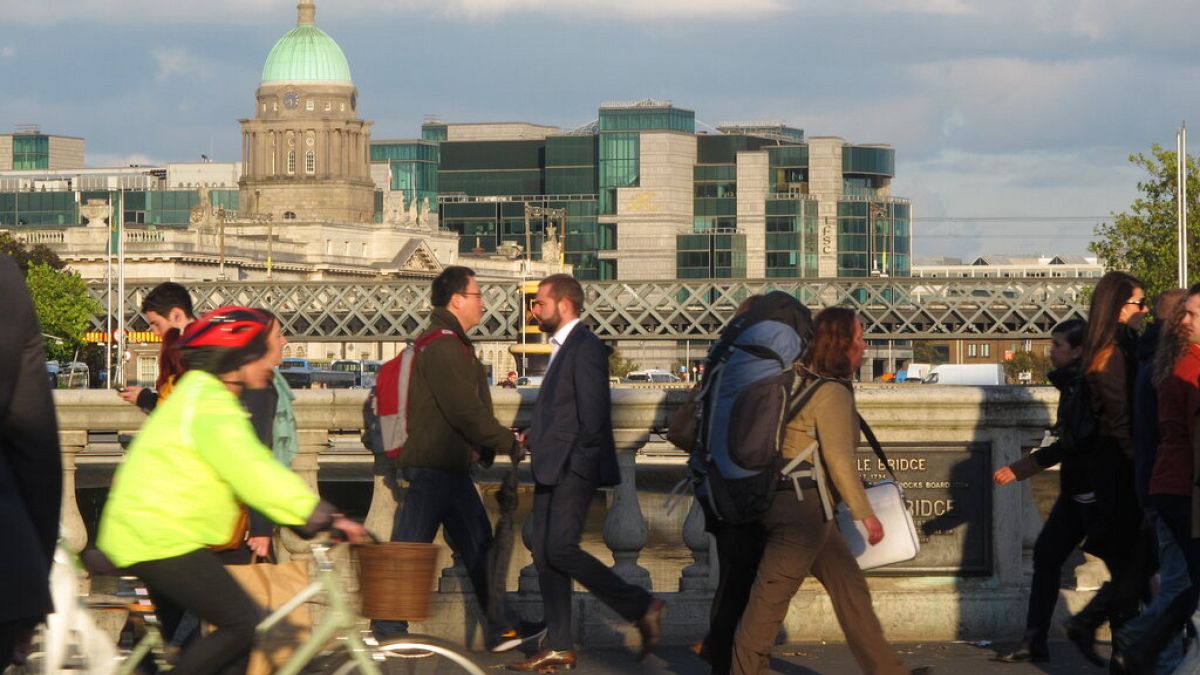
column 1140, row 303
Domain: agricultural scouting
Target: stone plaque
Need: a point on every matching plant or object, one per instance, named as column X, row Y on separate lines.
column 949, row 489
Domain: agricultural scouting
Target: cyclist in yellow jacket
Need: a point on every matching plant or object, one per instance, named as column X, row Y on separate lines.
column 178, row 490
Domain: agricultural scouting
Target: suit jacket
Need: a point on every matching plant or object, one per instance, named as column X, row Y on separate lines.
column 572, row 419
column 30, row 466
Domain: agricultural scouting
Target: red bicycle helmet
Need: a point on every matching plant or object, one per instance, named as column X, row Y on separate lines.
column 225, row 339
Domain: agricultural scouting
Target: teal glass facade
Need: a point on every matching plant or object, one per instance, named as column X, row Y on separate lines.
column 167, row 208
column 31, row 152
column 413, row 167
column 874, row 239
column 791, row 239
column 710, row 256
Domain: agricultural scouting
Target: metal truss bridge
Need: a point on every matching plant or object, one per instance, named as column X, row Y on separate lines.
column 891, row 308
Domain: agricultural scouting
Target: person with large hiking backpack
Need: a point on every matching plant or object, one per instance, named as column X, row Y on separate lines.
column 767, row 334
column 801, row 534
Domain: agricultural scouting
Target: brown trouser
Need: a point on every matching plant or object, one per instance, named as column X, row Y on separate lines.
column 799, row 540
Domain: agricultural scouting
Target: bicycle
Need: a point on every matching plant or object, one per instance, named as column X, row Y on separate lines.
column 335, row 645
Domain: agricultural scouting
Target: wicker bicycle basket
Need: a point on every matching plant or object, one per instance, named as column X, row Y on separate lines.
column 395, row 579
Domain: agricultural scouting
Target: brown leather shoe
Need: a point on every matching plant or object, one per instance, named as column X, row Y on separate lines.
column 545, row 661
column 650, row 627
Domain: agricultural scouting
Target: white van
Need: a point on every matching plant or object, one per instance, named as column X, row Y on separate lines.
column 651, row 376
column 969, row 373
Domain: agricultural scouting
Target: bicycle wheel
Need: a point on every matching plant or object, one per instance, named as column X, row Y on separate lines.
column 411, row 655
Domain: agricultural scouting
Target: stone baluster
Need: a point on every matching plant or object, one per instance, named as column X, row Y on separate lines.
column 386, row 498
column 454, row 577
column 699, row 575
column 72, row 530
column 625, row 530
column 312, row 442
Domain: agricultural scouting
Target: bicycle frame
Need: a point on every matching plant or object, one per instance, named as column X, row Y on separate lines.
column 339, row 618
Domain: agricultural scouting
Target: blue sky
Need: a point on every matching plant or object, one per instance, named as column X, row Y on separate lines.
column 1016, row 110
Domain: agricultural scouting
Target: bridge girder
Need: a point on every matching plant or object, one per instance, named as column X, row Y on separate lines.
column 910, row 308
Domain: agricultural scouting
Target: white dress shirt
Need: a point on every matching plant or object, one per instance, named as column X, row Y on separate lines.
column 559, row 337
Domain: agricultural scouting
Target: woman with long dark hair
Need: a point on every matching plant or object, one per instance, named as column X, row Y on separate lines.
column 1116, row 536
column 799, row 537
column 1071, row 516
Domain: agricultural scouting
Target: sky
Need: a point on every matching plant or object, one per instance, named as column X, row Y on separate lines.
column 1013, row 121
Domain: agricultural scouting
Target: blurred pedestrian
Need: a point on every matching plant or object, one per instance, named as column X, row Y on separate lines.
column 30, row 467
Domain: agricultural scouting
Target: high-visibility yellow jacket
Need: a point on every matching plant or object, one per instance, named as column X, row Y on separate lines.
column 193, row 461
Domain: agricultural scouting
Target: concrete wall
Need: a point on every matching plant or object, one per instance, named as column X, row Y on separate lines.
column 825, row 182
column 66, row 152
column 650, row 215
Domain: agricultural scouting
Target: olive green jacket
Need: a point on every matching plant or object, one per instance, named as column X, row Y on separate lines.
column 450, row 405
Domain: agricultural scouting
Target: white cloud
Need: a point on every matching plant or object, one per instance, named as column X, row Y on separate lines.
column 107, row 159
column 176, row 61
column 7, row 52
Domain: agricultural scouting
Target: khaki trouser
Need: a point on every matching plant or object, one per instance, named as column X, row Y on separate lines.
column 799, row 541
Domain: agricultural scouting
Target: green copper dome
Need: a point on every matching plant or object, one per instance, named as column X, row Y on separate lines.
column 306, row 54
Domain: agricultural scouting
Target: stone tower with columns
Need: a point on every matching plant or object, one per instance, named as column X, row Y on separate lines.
column 305, row 154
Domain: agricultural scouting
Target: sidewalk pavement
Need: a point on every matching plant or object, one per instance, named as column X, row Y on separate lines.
column 946, row 658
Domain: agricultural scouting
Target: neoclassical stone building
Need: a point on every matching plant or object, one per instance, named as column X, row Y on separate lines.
column 305, row 153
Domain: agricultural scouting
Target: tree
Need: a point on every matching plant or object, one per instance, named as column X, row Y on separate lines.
column 618, row 365
column 25, row 256
column 924, row 352
column 1142, row 240
column 1037, row 365
column 63, row 307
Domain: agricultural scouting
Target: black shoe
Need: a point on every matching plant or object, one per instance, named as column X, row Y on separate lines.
column 1084, row 638
column 1026, row 654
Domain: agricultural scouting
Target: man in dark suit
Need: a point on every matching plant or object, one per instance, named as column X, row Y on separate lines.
column 30, row 467
column 571, row 445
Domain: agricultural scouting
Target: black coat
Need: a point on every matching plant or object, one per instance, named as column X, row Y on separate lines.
column 572, row 420
column 30, row 466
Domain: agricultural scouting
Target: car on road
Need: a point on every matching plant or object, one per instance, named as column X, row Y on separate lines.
column 653, row 376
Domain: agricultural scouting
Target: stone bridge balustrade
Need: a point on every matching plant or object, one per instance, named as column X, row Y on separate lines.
column 990, row 424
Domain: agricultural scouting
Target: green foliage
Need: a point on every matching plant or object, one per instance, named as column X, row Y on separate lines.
column 924, row 352
column 619, row 366
column 1141, row 241
column 25, row 256
column 63, row 306
column 1037, row 365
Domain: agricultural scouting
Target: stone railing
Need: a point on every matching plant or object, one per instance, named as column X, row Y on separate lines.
column 967, row 431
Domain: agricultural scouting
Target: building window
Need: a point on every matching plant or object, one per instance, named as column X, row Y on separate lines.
column 310, row 162
column 328, row 106
column 985, row 350
column 147, row 369
column 289, row 215
column 291, row 163
column 971, row 349
column 309, row 105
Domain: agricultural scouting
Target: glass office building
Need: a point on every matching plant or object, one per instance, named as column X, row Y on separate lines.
column 646, row 196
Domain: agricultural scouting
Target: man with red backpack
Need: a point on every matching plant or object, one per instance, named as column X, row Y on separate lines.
column 436, row 419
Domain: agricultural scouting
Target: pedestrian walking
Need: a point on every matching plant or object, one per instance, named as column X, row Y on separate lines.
column 30, row 467
column 1172, row 488
column 448, row 393
column 767, row 334
column 1117, row 535
column 571, row 445
column 799, row 537
column 1072, row 514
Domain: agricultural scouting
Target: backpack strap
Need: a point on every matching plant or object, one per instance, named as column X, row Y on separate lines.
column 866, row 429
